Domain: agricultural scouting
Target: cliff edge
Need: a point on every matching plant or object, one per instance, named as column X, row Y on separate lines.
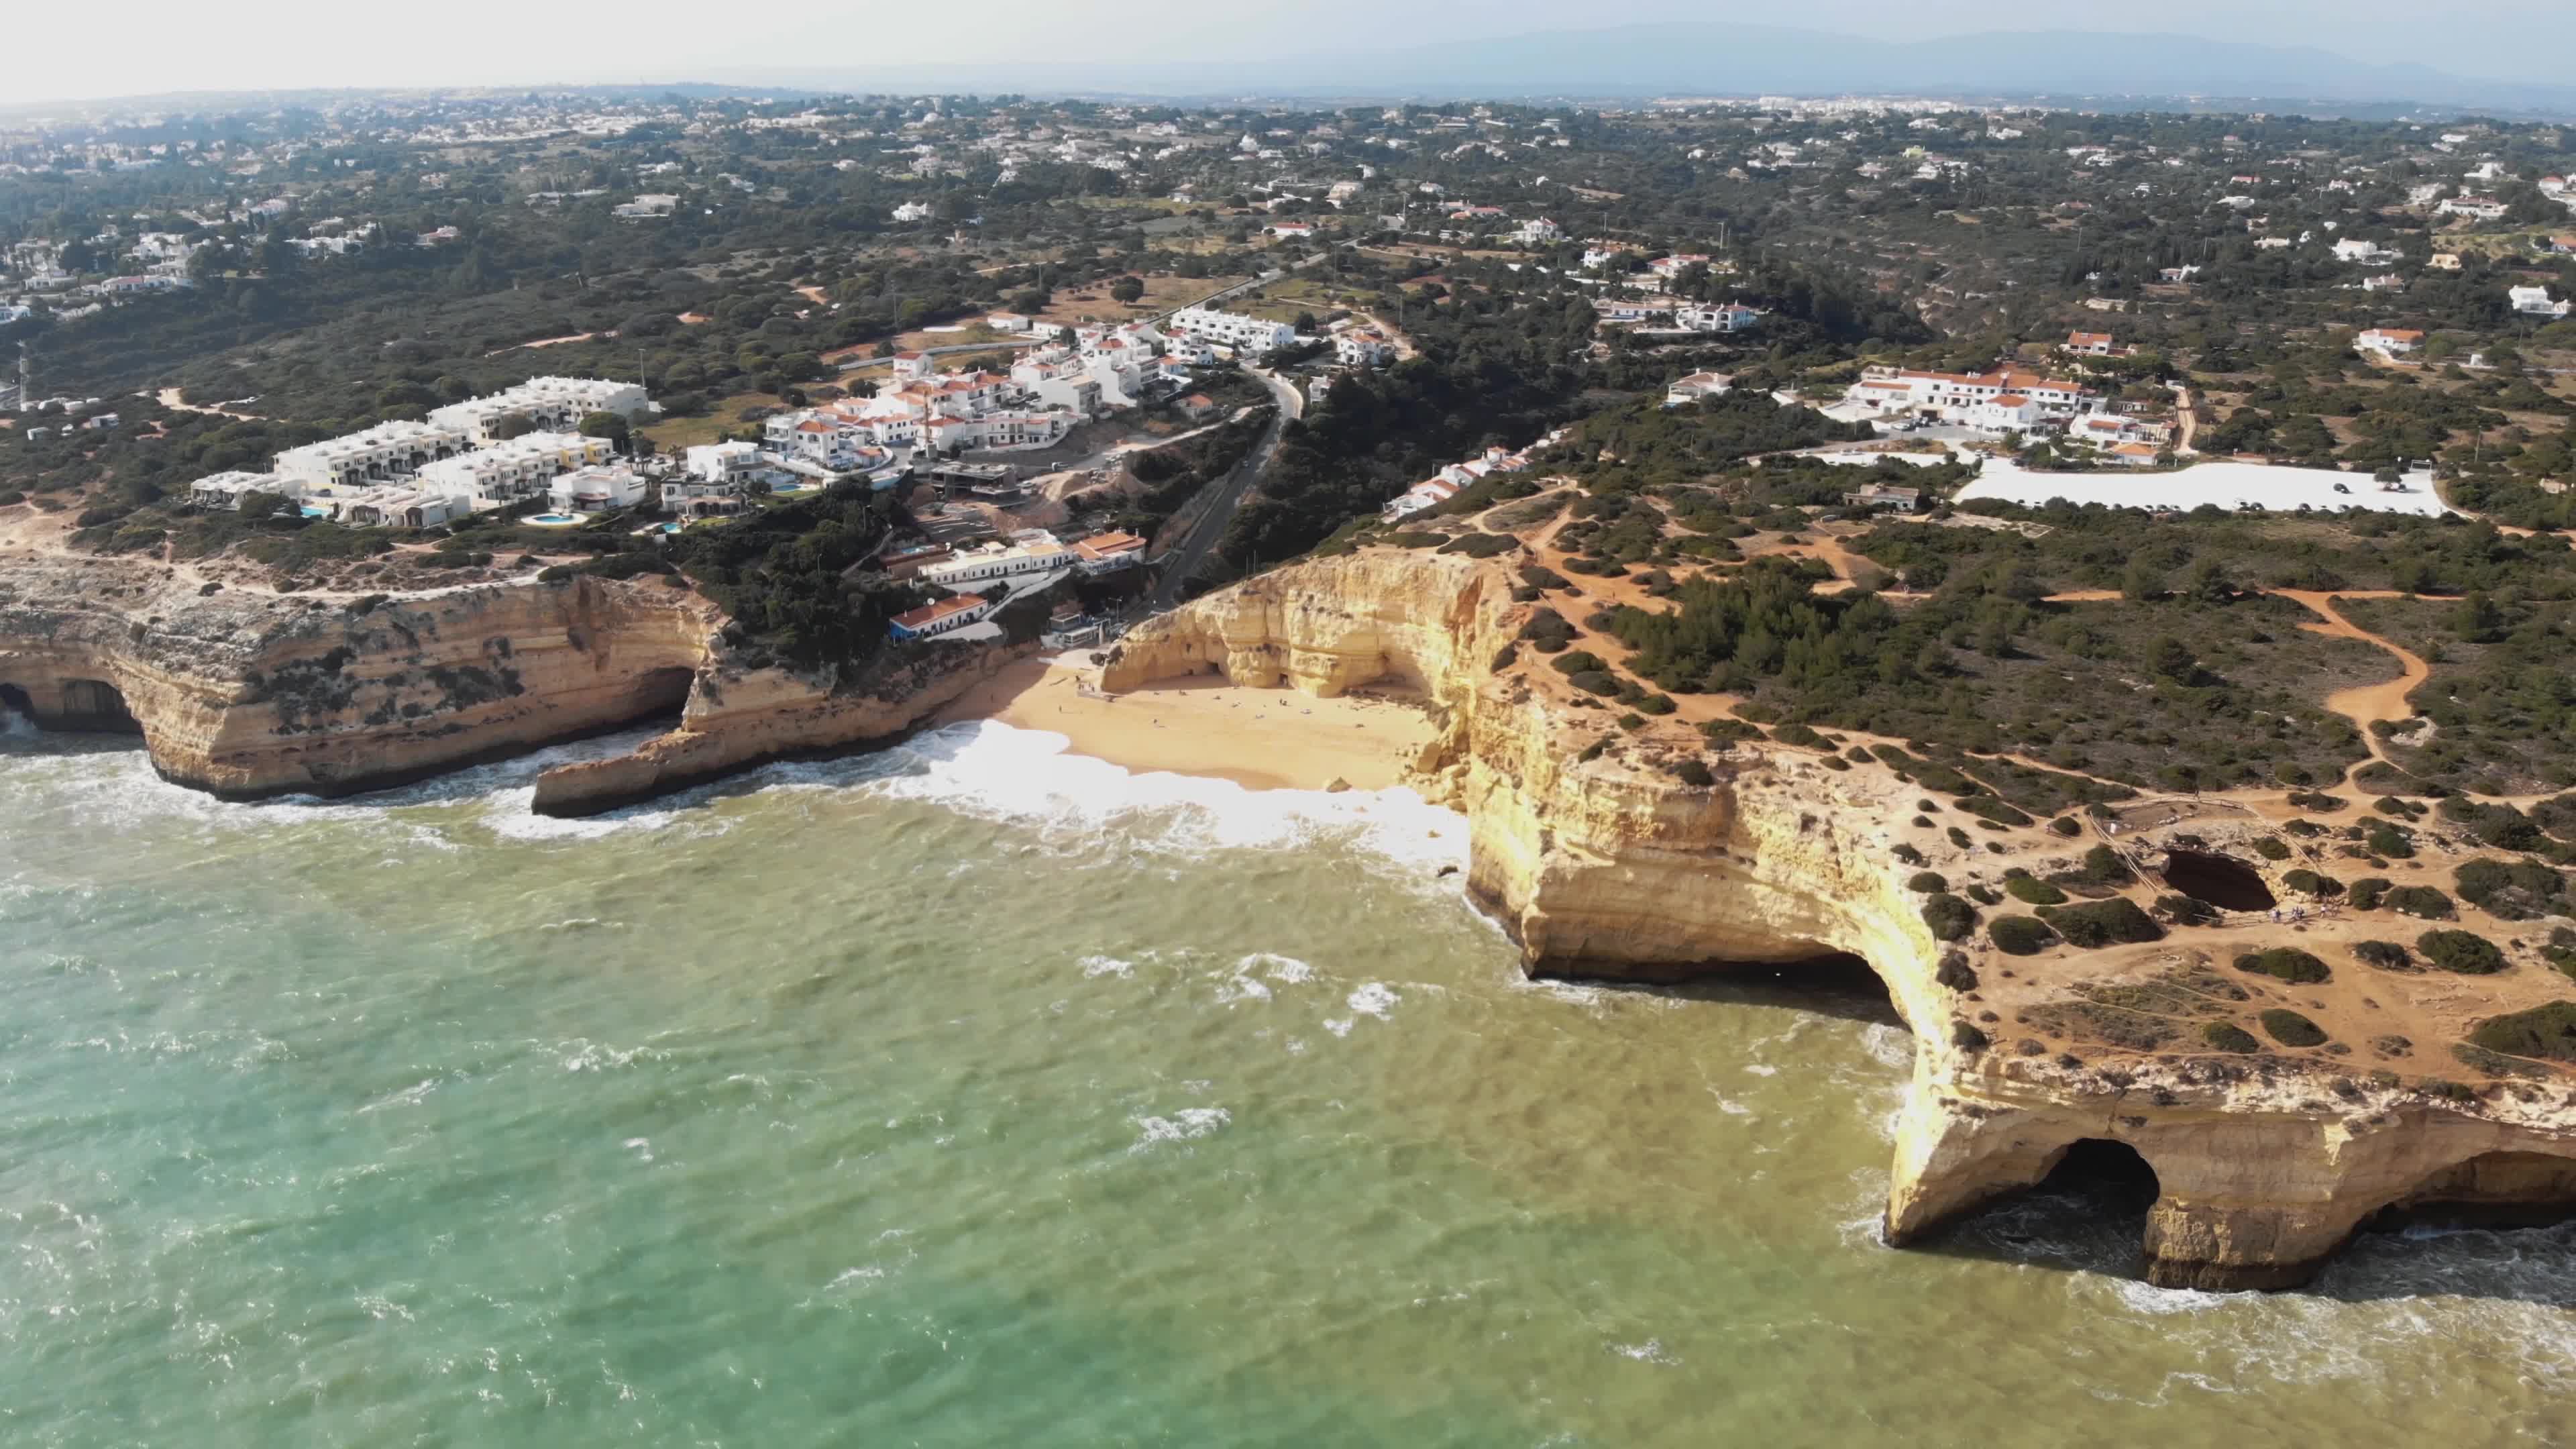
column 1591, row 844
column 247, row 693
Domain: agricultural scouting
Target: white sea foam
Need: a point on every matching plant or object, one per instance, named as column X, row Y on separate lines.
column 1182, row 1126
column 1027, row 776
column 1285, row 969
column 1651, row 1351
column 1374, row 999
column 1106, row 966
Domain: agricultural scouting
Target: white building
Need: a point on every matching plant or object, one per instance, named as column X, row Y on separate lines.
column 2477, row 208
column 646, row 207
column 1232, row 329
column 1108, row 553
column 2008, row 397
column 513, row 471
column 556, row 404
column 402, row 506
column 2534, row 302
column 1540, row 232
column 590, row 490
column 947, row 616
column 380, row 454
column 1696, row 387
column 2392, row 341
column 1031, row 551
column 2354, row 249
column 1733, row 317
column 225, row 490
column 1362, row 347
column 2090, row 344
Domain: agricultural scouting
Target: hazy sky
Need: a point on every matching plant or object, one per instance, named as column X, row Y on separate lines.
column 144, row 46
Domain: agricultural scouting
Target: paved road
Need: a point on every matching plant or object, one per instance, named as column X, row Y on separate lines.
column 1224, row 496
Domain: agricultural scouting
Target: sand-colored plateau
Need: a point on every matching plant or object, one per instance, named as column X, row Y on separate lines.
column 1603, row 862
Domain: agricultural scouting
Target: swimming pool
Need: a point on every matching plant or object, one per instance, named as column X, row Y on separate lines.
column 555, row 520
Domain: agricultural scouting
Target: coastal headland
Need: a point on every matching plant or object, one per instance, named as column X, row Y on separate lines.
column 1651, row 851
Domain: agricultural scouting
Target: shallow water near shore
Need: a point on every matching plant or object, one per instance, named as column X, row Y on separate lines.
column 978, row 1094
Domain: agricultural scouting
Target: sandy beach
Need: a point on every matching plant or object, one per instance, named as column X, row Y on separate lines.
column 1262, row 739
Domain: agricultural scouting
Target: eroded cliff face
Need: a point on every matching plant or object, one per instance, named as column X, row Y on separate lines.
column 248, row 694
column 1615, row 867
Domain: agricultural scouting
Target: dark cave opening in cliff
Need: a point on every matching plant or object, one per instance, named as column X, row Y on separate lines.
column 14, row 701
column 2110, row 1179
column 2218, row 880
column 1836, row 984
column 2088, row 1212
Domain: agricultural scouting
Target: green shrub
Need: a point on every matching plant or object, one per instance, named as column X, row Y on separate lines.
column 1930, row 882
column 2291, row 1029
column 2387, row 840
column 1906, row 854
column 1968, row 1038
column 2033, row 892
column 1985, row 895
column 2546, row 1032
column 2271, row 847
column 2368, row 893
column 1949, row 917
column 2321, row 803
column 2422, row 902
column 2309, row 883
column 2096, row 924
column 1594, row 681
column 1657, row 704
column 2461, row 952
column 2184, row 911
column 1798, row 735
column 1989, row 808
column 1547, row 631
column 1695, row 774
column 2517, row 891
column 2102, row 866
column 1594, row 750
column 1580, row 661
column 1728, row 731
column 2019, row 935
column 2383, row 955
column 2229, row 1037
column 2065, row 825
column 2286, row 963
column 1960, row 838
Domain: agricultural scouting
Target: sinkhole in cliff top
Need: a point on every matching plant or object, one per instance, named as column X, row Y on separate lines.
column 2218, row 880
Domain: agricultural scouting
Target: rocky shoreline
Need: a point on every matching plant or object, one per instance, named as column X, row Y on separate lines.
column 1607, row 865
column 248, row 694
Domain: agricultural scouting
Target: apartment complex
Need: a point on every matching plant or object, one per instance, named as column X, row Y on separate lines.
column 554, row 404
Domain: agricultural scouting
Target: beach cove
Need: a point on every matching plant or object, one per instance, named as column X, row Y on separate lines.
column 981, row 1091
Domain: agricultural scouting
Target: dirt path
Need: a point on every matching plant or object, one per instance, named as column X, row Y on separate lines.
column 2190, row 424
column 548, row 342
column 2365, row 704
column 171, row 398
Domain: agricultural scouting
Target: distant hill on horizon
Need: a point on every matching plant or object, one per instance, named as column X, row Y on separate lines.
column 1698, row 58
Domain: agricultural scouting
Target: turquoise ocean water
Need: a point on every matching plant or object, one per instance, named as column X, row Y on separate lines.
column 978, row 1095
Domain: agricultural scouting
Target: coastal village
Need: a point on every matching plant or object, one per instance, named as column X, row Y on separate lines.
column 2105, row 569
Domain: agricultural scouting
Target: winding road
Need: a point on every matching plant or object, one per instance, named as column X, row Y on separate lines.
column 1223, row 496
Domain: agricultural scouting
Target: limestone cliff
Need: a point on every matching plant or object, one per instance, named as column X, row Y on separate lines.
column 1614, row 867
column 248, row 693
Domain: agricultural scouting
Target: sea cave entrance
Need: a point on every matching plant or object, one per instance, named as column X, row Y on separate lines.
column 14, row 701
column 1830, row 983
column 2218, row 880
column 2490, row 1190
column 2109, row 1179
column 96, row 706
